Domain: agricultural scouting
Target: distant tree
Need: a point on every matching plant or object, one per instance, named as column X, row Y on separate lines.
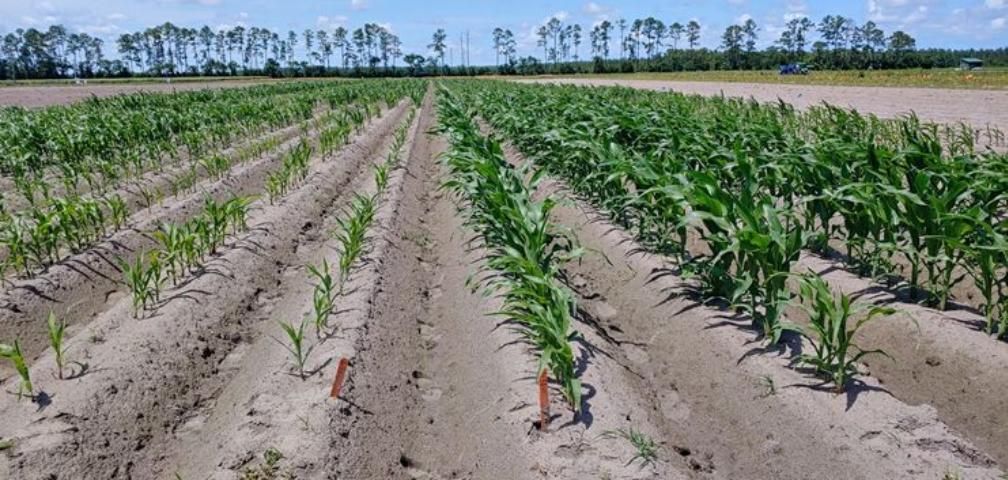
column 731, row 42
column 438, row 45
column 415, row 62
column 339, row 40
column 498, row 44
column 693, row 34
column 675, row 32
column 576, row 39
column 901, row 41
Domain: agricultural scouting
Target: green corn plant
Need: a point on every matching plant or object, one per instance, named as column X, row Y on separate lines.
column 57, row 330
column 524, row 248
column 236, row 211
column 351, row 233
column 835, row 353
column 323, row 295
column 171, row 236
column 381, row 176
column 117, row 211
column 14, row 354
column 296, row 347
column 986, row 254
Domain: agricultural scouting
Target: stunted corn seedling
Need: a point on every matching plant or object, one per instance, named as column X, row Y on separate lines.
column 16, row 356
column 296, row 345
column 57, row 330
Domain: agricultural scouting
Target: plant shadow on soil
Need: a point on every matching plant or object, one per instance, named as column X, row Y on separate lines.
column 790, row 345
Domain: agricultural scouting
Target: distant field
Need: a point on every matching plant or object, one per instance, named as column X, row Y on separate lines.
column 944, row 78
column 121, row 81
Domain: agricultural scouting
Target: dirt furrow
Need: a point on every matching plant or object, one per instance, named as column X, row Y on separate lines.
column 145, row 376
column 733, row 409
column 85, row 284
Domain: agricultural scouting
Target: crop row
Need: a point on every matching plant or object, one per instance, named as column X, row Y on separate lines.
column 525, row 251
column 353, row 224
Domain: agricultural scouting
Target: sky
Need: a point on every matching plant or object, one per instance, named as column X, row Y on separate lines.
column 935, row 23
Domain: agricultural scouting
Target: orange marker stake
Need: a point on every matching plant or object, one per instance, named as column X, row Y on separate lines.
column 543, row 400
column 340, row 377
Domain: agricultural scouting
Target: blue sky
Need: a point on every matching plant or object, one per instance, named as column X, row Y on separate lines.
column 948, row 23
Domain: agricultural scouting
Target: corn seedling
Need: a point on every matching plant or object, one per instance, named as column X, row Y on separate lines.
column 323, row 295
column 296, row 346
column 14, row 354
column 351, row 233
column 831, row 333
column 57, row 330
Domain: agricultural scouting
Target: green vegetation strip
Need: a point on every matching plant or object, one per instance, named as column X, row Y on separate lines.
column 525, row 251
column 754, row 185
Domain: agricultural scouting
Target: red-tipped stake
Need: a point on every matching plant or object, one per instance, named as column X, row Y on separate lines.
column 543, row 400
column 337, row 383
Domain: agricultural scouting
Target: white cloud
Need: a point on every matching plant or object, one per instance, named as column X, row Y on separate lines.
column 995, row 4
column 358, row 4
column 115, row 17
column 999, row 23
column 745, row 17
column 921, row 13
column 593, row 8
column 329, row 23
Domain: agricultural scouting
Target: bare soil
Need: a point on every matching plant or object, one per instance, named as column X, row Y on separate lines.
column 45, row 95
column 978, row 108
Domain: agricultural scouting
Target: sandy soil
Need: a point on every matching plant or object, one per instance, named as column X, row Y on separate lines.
column 147, row 380
column 201, row 387
column 45, row 95
column 978, row 108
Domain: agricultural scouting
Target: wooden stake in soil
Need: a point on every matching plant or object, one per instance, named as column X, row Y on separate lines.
column 543, row 400
column 340, row 377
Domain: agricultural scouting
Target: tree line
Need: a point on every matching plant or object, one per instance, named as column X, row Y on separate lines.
column 647, row 44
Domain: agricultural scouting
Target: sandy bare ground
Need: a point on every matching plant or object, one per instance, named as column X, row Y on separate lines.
column 45, row 95
column 978, row 108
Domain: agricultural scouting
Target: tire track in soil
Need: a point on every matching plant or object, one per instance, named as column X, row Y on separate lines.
column 146, row 375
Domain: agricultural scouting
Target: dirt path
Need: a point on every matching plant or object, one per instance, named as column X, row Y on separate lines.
column 978, row 108
column 46, row 95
